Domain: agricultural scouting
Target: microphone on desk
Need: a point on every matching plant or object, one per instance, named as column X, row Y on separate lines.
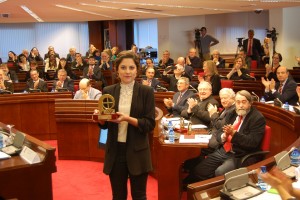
column 162, row 88
column 5, row 91
column 237, row 179
column 256, row 96
column 194, row 89
column 283, row 160
column 251, row 76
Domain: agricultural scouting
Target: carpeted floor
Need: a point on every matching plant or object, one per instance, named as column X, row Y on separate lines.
column 84, row 180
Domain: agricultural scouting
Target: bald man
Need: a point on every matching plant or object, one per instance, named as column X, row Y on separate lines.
column 86, row 92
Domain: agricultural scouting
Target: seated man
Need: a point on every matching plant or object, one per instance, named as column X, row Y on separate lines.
column 150, row 80
column 35, row 82
column 284, row 90
column 105, row 63
column 4, row 83
column 220, row 62
column 180, row 98
column 79, row 62
column 192, row 60
column 196, row 110
column 11, row 75
column 150, row 64
column 86, row 92
column 218, row 120
column 34, row 65
column 165, row 60
column 242, row 136
column 63, row 81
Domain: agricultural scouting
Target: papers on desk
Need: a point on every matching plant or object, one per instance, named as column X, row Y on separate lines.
column 269, row 102
column 197, row 139
column 4, row 155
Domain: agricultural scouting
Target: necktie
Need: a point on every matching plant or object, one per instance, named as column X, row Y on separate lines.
column 179, row 98
column 149, row 82
column 249, row 48
column 280, row 88
column 227, row 145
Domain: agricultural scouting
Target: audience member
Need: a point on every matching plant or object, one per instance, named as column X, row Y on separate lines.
column 243, row 135
column 79, row 63
column 196, row 109
column 247, row 59
column 12, row 57
column 252, row 47
column 207, row 41
column 63, row 65
column 134, row 49
column 150, row 80
column 165, row 61
column 173, row 78
column 33, row 66
column 90, row 51
column 219, row 61
column 52, row 62
column 298, row 60
column 150, row 64
column 239, row 71
column 71, row 56
column 51, row 49
column 34, row 55
column 25, row 53
column 266, row 51
column 105, row 63
column 218, row 120
column 10, row 74
column 114, row 52
column 23, row 64
column 127, row 154
column 211, row 75
column 5, row 84
column 284, row 90
column 188, row 71
column 35, row 83
column 271, row 70
column 94, row 72
column 86, row 91
column 97, row 56
column 63, row 81
column 192, row 60
column 177, row 104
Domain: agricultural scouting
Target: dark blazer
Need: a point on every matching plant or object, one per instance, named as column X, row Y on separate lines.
column 215, row 84
column 36, row 58
column 138, row 149
column 156, row 71
column 188, row 72
column 98, row 75
column 41, row 74
column 70, row 59
column 47, row 55
column 179, row 106
column 245, row 75
column 195, row 62
column 68, row 83
column 199, row 114
column 13, row 76
column 256, row 48
column 9, row 86
column 289, row 93
column 250, row 135
column 221, row 63
column 163, row 66
column 154, row 83
column 272, row 75
column 42, row 85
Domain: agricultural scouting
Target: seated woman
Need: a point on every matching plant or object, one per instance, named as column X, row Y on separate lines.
column 211, row 75
column 5, row 84
column 12, row 58
column 63, row 65
column 52, row 62
column 23, row 64
column 272, row 69
column 239, row 71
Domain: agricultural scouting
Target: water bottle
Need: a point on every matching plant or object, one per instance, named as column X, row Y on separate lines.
column 286, row 106
column 295, row 157
column 171, row 136
column 263, row 185
column 1, row 140
column 262, row 100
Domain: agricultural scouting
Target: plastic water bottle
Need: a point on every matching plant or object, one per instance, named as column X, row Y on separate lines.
column 286, row 106
column 171, row 136
column 262, row 100
column 295, row 157
column 1, row 140
column 263, row 185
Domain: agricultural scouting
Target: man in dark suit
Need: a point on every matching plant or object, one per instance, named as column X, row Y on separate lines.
column 177, row 104
column 50, row 48
column 71, row 57
column 252, row 47
column 220, row 62
column 94, row 72
column 196, row 109
column 36, row 83
column 188, row 70
column 63, row 81
column 284, row 90
column 150, row 80
column 244, row 136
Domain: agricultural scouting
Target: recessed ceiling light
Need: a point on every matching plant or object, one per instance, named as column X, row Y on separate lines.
column 30, row 12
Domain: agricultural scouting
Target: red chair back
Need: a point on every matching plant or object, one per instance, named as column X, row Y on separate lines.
column 253, row 64
column 265, row 145
column 226, row 84
column 76, row 87
column 252, row 74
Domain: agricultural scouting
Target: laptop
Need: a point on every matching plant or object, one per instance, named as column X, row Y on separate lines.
column 16, row 147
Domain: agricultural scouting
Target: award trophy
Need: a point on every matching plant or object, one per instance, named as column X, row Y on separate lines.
column 106, row 105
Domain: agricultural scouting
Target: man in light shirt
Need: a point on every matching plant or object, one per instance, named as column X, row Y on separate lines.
column 86, row 91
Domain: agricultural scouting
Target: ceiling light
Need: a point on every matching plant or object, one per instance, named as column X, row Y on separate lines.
column 79, row 10
column 1, row 1
column 32, row 13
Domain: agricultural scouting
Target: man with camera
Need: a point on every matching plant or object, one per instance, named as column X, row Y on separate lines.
column 203, row 42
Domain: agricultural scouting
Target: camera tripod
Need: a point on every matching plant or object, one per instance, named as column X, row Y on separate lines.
column 199, row 47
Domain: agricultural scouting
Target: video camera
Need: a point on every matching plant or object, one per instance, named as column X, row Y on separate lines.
column 197, row 34
column 240, row 41
column 272, row 34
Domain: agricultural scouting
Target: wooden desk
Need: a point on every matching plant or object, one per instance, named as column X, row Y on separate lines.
column 285, row 134
column 28, row 181
column 32, row 113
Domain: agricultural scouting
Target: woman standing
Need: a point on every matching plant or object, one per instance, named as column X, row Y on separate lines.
column 211, row 75
column 127, row 152
column 272, row 69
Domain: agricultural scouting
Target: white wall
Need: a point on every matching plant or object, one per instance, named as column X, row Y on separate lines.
column 16, row 37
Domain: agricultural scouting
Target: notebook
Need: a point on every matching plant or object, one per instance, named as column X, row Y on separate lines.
column 16, row 147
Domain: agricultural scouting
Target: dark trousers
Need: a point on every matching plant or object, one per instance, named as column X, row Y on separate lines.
column 119, row 177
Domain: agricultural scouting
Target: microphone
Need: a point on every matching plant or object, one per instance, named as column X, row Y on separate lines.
column 242, row 178
column 194, row 89
column 251, row 76
column 256, row 96
column 162, row 88
column 282, row 159
column 5, row 91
